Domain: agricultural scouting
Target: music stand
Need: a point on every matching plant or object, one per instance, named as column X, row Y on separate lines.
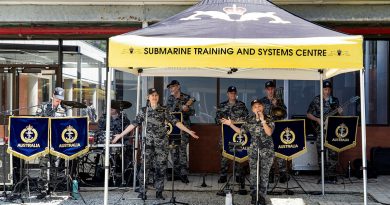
column 174, row 142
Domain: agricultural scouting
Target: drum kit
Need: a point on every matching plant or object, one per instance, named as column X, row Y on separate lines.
column 91, row 165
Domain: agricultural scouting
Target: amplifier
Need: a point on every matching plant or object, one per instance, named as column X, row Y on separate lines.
column 5, row 165
column 307, row 161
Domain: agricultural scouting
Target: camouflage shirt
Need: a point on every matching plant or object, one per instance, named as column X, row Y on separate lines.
column 258, row 137
column 176, row 105
column 268, row 106
column 115, row 124
column 156, row 121
column 329, row 105
column 90, row 111
column 47, row 110
column 236, row 112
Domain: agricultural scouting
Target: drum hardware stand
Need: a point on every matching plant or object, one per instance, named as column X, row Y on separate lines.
column 287, row 189
column 173, row 146
column 13, row 197
column 235, row 146
column 122, row 151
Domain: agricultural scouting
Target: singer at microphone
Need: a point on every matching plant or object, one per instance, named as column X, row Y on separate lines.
column 261, row 142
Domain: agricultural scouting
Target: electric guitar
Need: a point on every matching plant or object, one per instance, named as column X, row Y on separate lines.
column 317, row 127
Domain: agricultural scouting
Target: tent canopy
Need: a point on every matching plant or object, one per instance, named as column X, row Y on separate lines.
column 236, row 39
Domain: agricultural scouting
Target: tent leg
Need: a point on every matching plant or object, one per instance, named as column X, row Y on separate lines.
column 107, row 142
column 363, row 128
column 135, row 146
column 322, row 133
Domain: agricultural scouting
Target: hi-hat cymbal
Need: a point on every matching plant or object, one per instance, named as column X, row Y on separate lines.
column 120, row 105
column 74, row 104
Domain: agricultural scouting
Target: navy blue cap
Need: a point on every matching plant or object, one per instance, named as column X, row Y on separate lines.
column 152, row 90
column 59, row 93
column 232, row 89
column 173, row 82
column 256, row 101
column 269, row 84
column 327, row 84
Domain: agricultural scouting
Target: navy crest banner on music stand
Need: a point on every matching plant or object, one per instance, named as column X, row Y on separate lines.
column 341, row 132
column 229, row 135
column 289, row 138
column 29, row 137
column 69, row 137
column 172, row 130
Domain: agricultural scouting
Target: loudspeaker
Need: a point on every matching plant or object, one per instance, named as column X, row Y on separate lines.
column 380, row 158
column 311, row 133
column 307, row 161
column 7, row 164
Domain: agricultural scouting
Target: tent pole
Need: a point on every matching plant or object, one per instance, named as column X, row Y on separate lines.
column 363, row 130
column 107, row 142
column 135, row 147
column 322, row 133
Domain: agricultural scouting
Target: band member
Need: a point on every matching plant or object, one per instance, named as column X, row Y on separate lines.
column 89, row 111
column 237, row 112
column 156, row 140
column 115, row 124
column 181, row 102
column 260, row 127
column 272, row 102
column 314, row 112
column 49, row 109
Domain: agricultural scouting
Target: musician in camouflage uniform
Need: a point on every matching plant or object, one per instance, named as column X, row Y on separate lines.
column 89, row 111
column 314, row 113
column 271, row 101
column 115, row 124
column 156, row 140
column 50, row 109
column 181, row 102
column 236, row 111
column 260, row 127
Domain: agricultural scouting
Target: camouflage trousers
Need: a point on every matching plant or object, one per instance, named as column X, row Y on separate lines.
column 330, row 158
column 280, row 165
column 156, row 157
column 239, row 169
column 43, row 184
column 265, row 163
column 180, row 156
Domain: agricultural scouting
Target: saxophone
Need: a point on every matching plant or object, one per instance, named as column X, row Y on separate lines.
column 278, row 112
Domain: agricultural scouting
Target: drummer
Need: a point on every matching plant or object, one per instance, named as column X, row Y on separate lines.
column 115, row 125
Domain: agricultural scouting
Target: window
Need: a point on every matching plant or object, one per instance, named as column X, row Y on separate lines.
column 205, row 92
column 376, row 62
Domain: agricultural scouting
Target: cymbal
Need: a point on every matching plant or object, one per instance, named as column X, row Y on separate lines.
column 120, row 105
column 74, row 104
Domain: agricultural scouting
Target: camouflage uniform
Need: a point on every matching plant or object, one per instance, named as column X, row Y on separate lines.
column 156, row 143
column 90, row 111
column 47, row 110
column 236, row 112
column 268, row 112
column 259, row 140
column 175, row 105
column 315, row 109
column 115, row 126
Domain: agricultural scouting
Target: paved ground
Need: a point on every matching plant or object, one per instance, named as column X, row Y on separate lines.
column 336, row 194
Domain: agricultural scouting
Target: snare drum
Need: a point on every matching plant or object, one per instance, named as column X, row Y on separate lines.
column 100, row 137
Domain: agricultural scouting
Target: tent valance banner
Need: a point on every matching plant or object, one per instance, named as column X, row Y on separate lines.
column 341, row 132
column 69, row 137
column 289, row 137
column 29, row 136
column 236, row 39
